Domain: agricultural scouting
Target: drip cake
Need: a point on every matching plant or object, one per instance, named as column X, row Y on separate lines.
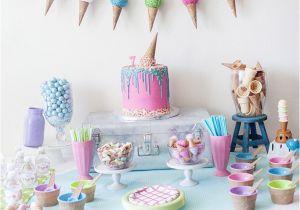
column 145, row 87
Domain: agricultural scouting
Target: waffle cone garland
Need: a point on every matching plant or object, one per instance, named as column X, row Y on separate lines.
column 153, row 6
column 48, row 5
column 83, row 5
column 192, row 9
column 283, row 134
column 232, row 6
column 117, row 9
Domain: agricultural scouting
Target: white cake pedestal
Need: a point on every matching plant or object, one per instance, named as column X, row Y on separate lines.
column 116, row 175
column 187, row 171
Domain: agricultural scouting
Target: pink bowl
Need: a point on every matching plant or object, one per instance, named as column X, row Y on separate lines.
column 275, row 162
column 240, row 179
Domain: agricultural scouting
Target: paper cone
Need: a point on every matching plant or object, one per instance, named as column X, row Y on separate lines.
column 283, row 126
column 83, row 5
column 255, row 87
column 152, row 15
column 232, row 6
column 116, row 14
column 150, row 53
column 255, row 101
column 48, row 5
column 193, row 13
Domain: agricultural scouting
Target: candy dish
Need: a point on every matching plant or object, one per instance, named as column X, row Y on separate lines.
column 88, row 189
column 187, row 151
column 243, row 198
column 116, row 155
column 47, row 196
column 116, row 175
column 242, row 168
column 188, row 170
column 280, row 173
column 75, row 204
column 157, row 197
column 282, row 191
column 276, row 162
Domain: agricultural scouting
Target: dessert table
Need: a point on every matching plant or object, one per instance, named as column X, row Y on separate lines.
column 211, row 193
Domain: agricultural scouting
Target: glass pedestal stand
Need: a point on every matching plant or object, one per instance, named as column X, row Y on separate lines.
column 187, row 170
column 116, row 175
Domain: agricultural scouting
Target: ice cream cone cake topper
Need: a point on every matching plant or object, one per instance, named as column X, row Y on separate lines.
column 153, row 6
column 236, row 65
column 149, row 58
column 283, row 134
column 83, row 5
column 48, row 5
column 192, row 9
column 232, row 6
column 117, row 9
column 258, row 67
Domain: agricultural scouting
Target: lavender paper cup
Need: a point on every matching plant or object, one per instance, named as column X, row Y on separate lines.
column 242, row 198
column 241, row 168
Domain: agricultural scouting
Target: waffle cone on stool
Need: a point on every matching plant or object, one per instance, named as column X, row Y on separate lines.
column 232, row 6
column 255, row 101
column 48, row 5
column 193, row 13
column 244, row 104
column 83, row 5
column 116, row 14
column 255, row 87
column 151, row 16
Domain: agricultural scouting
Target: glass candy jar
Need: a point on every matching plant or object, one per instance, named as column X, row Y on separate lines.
column 248, row 88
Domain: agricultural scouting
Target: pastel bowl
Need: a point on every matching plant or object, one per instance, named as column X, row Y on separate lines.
column 46, row 198
column 64, row 204
column 241, row 168
column 282, row 191
column 240, row 179
column 276, row 162
column 88, row 189
column 245, row 157
column 280, row 174
column 242, row 198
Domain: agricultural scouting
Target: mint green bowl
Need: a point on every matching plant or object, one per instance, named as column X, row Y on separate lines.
column 282, row 191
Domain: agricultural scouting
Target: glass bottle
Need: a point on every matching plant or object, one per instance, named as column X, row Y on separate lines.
column 12, row 188
column 28, row 174
column 42, row 163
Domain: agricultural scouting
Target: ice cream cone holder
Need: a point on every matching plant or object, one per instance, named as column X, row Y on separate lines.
column 116, row 175
column 188, row 181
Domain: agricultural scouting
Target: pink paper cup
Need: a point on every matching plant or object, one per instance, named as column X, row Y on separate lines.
column 242, row 199
column 220, row 148
column 276, row 162
column 240, row 179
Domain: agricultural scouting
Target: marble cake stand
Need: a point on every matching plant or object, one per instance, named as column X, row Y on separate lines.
column 187, row 170
column 116, row 175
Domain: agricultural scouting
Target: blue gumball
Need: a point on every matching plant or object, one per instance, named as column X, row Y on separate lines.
column 58, row 102
column 65, row 111
column 61, row 98
column 58, row 110
column 66, row 86
column 53, row 100
column 54, row 113
column 48, row 98
column 69, row 101
column 61, row 115
column 56, row 84
column 61, row 82
column 48, row 113
column 67, row 91
column 54, row 106
column 69, row 110
column 68, row 105
column 53, row 90
column 62, row 106
column 66, row 96
column 292, row 144
column 52, row 95
column 60, row 88
column 57, row 94
column 48, row 91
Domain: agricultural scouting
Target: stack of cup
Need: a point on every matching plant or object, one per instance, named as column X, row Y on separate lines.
column 282, row 111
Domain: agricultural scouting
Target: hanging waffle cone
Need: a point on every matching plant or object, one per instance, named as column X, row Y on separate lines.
column 151, row 16
column 193, row 13
column 48, row 5
column 116, row 14
column 232, row 6
column 83, row 5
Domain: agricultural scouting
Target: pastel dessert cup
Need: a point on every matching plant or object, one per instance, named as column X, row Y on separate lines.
column 46, row 198
column 240, row 179
column 282, row 191
column 242, row 168
column 280, row 174
column 245, row 157
column 277, row 162
column 88, row 189
column 64, row 204
column 243, row 198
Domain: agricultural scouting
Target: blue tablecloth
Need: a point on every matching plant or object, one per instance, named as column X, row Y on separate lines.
column 210, row 194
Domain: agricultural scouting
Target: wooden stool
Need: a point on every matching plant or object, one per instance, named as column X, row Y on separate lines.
column 249, row 132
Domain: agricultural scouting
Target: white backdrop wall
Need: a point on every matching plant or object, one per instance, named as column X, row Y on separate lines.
column 36, row 48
